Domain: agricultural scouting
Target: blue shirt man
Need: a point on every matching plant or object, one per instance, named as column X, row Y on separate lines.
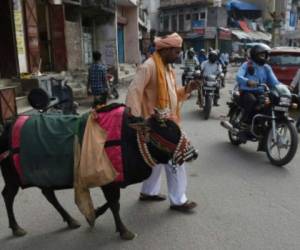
column 261, row 74
column 202, row 57
column 97, row 78
column 251, row 77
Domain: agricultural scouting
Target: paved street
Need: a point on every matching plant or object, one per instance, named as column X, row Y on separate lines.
column 243, row 202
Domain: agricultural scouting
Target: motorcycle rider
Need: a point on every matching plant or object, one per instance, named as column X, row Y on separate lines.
column 211, row 67
column 250, row 79
column 223, row 61
column 202, row 56
column 190, row 64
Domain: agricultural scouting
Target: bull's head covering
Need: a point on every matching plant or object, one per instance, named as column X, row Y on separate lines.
column 160, row 140
column 170, row 41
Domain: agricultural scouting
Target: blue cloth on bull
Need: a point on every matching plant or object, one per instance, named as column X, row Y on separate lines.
column 46, row 149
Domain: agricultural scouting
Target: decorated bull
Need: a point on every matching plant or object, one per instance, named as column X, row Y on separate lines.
column 142, row 144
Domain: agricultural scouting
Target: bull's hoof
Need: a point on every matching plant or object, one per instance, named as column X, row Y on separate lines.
column 127, row 235
column 19, row 232
column 73, row 224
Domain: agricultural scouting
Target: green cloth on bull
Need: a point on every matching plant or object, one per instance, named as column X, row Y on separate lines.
column 47, row 149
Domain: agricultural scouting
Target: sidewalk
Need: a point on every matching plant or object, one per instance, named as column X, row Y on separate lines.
column 86, row 103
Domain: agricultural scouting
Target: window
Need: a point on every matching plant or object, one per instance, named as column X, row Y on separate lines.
column 195, row 17
column 285, row 60
column 174, row 23
column 166, row 23
column 181, row 22
column 202, row 15
column 188, row 17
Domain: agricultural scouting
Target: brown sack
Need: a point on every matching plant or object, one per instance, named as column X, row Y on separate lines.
column 92, row 168
column 95, row 168
column 83, row 198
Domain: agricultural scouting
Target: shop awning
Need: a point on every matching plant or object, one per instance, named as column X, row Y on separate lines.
column 240, row 5
column 241, row 35
column 258, row 35
column 252, row 36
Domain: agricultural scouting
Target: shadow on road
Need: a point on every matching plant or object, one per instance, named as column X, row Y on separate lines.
column 246, row 157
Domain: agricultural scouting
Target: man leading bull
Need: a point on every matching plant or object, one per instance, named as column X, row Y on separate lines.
column 154, row 88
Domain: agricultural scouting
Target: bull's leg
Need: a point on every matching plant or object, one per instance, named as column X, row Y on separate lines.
column 101, row 210
column 9, row 193
column 112, row 195
column 50, row 196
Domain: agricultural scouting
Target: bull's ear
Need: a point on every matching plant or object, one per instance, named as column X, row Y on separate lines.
column 161, row 116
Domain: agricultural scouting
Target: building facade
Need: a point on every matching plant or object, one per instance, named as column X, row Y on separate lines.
column 289, row 26
column 128, row 31
column 198, row 22
column 56, row 35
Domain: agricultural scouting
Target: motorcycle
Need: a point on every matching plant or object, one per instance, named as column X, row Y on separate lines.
column 112, row 87
column 271, row 126
column 59, row 99
column 207, row 93
column 188, row 74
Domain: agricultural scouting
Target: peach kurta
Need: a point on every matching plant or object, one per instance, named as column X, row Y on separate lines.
column 142, row 92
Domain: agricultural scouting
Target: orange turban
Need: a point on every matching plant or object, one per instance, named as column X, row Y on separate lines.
column 171, row 41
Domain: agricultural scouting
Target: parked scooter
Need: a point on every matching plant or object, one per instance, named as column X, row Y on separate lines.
column 271, row 126
column 112, row 87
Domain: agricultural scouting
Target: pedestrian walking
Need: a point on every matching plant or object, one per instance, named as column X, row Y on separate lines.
column 154, row 87
column 97, row 82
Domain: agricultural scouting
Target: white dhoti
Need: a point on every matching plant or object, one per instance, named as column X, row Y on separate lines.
column 176, row 181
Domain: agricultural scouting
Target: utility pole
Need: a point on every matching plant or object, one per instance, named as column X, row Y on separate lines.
column 276, row 15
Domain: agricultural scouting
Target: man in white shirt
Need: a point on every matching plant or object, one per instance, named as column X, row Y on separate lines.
column 294, row 84
column 212, row 67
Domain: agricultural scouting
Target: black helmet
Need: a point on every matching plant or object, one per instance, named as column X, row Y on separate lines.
column 191, row 53
column 212, row 56
column 259, row 53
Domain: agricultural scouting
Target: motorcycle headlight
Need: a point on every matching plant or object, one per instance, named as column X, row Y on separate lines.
column 285, row 101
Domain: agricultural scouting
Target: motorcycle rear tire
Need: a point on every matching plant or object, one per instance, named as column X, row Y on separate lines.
column 207, row 106
column 293, row 148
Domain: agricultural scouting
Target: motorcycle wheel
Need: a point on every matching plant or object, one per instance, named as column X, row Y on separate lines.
column 207, row 106
column 223, row 83
column 234, row 139
column 287, row 140
column 115, row 93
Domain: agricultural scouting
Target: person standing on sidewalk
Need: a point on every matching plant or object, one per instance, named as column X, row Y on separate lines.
column 154, row 87
column 97, row 82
